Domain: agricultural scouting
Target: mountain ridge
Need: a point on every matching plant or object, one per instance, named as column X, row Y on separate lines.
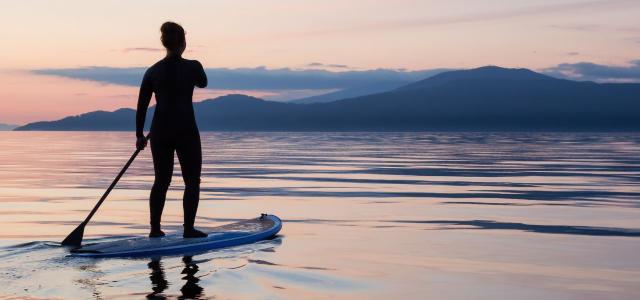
column 6, row 127
column 486, row 98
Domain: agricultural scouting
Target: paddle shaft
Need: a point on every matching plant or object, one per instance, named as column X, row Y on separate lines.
column 75, row 237
column 113, row 184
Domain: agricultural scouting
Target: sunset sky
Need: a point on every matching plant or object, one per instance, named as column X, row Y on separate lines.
column 588, row 39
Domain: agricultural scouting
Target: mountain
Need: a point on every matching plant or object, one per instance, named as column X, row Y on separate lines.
column 367, row 89
column 96, row 120
column 4, row 127
column 350, row 93
column 487, row 98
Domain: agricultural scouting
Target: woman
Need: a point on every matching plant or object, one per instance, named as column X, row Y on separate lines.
column 173, row 128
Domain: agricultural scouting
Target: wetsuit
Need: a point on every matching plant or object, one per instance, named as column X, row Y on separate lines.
column 173, row 129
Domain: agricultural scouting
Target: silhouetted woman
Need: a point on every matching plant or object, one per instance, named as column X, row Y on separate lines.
column 173, row 128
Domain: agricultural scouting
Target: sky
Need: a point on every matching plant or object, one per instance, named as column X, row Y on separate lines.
column 51, row 49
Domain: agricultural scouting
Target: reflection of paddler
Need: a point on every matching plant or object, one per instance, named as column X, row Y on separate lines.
column 158, row 281
column 190, row 289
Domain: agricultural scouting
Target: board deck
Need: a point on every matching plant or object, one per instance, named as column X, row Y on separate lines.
column 234, row 234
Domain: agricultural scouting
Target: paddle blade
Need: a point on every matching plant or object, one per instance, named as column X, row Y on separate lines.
column 75, row 237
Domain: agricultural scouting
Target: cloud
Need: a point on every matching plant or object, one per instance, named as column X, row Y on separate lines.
column 522, row 11
column 577, row 27
column 597, row 27
column 149, row 49
column 533, row 10
column 596, row 72
column 259, row 78
column 143, row 49
column 338, row 66
column 317, row 64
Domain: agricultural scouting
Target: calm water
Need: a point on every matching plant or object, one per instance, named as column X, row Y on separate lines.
column 367, row 216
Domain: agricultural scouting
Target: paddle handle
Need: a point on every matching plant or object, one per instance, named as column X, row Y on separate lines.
column 113, row 184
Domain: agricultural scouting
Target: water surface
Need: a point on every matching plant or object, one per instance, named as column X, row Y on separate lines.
column 366, row 215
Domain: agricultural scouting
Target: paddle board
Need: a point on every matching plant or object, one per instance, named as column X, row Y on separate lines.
column 234, row 234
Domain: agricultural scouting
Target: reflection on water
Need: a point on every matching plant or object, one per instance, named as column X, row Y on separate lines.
column 159, row 283
column 366, row 215
column 190, row 289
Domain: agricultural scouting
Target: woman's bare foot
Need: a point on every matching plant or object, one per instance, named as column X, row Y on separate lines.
column 156, row 233
column 193, row 233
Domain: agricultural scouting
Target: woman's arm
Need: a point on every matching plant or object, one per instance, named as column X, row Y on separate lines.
column 201, row 76
column 144, row 97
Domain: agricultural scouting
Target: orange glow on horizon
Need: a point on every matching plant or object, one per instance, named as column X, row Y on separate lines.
column 361, row 34
column 26, row 97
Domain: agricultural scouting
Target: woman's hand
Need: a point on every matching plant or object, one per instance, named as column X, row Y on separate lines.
column 141, row 142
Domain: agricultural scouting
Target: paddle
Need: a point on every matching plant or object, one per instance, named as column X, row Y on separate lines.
column 75, row 237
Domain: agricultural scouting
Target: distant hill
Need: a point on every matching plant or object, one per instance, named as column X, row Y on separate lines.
column 92, row 121
column 4, row 127
column 362, row 90
column 487, row 98
column 350, row 93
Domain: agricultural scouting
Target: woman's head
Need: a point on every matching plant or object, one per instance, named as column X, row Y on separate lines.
column 173, row 37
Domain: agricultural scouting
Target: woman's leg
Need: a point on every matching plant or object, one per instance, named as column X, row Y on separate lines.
column 162, row 152
column 190, row 156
